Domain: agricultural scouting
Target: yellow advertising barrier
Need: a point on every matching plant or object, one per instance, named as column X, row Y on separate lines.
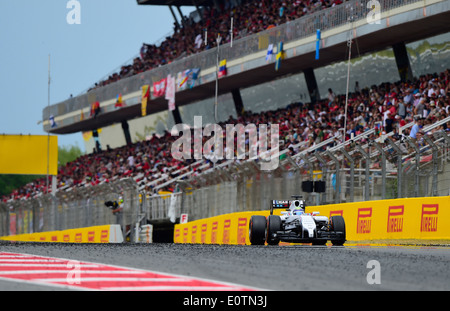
column 27, row 154
column 416, row 218
column 97, row 234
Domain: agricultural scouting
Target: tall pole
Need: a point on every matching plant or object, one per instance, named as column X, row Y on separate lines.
column 217, row 78
column 48, row 132
column 349, row 44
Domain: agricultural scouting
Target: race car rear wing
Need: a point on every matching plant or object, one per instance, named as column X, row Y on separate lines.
column 279, row 204
column 285, row 204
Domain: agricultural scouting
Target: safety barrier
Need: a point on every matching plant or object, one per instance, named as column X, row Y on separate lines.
column 414, row 218
column 97, row 234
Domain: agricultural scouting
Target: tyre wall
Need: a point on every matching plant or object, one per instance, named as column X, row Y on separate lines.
column 414, row 218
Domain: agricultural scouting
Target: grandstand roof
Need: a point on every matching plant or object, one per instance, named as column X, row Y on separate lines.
column 176, row 2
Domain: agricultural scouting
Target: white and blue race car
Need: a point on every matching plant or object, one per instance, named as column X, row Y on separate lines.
column 296, row 226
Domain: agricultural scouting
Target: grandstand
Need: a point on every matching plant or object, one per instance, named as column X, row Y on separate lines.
column 312, row 144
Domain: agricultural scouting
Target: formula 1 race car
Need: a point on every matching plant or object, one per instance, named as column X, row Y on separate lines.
column 296, row 226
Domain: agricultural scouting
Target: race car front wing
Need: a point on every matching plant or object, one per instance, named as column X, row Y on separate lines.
column 294, row 237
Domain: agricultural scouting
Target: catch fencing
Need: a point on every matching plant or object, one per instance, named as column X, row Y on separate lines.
column 362, row 169
column 70, row 209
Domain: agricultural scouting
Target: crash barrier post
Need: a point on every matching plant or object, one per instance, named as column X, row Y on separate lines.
column 396, row 219
column 145, row 234
column 97, row 234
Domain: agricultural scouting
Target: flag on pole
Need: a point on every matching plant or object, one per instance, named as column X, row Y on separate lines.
column 317, row 43
column 159, row 88
column 52, row 121
column 184, row 76
column 194, row 77
column 280, row 55
column 144, row 99
column 119, row 102
column 95, row 109
column 223, row 68
column 170, row 92
column 269, row 53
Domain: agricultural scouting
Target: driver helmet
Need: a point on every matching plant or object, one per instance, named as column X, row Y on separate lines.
column 298, row 207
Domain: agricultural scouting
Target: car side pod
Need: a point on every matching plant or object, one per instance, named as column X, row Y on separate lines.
column 257, row 230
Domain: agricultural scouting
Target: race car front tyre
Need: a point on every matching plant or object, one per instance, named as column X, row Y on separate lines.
column 338, row 225
column 257, row 230
column 273, row 225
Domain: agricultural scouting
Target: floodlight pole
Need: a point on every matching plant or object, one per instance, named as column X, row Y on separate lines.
column 48, row 132
column 218, row 40
column 349, row 44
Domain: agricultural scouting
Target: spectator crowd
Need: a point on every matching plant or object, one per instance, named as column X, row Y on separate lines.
column 249, row 17
column 383, row 107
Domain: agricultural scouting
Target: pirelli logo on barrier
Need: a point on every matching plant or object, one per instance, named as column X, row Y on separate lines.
column 395, row 218
column 78, row 238
column 336, row 213
column 177, row 235
column 226, row 231
column 214, row 227
column 185, row 234
column 203, row 234
column 429, row 221
column 364, row 220
column 194, row 234
column 91, row 236
column 242, row 231
column 104, row 236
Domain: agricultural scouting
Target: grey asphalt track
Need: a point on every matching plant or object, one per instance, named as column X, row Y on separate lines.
column 279, row 268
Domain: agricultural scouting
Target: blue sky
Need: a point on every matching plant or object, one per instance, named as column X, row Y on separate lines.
column 110, row 34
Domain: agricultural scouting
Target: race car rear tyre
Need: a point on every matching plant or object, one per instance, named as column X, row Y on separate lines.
column 273, row 225
column 338, row 224
column 257, row 230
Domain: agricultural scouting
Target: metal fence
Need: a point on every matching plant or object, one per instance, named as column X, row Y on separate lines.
column 363, row 169
column 76, row 208
column 366, row 168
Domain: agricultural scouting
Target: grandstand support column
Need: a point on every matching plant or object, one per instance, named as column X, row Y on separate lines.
column 176, row 116
column 198, row 9
column 183, row 20
column 402, row 60
column 126, row 132
column 174, row 16
column 238, row 103
column 311, row 83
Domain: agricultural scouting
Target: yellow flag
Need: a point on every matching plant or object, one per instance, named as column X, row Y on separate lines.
column 144, row 99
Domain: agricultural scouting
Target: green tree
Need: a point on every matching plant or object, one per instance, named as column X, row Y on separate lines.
column 68, row 154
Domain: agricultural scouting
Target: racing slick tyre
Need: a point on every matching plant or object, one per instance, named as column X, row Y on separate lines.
column 257, row 230
column 273, row 225
column 338, row 224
